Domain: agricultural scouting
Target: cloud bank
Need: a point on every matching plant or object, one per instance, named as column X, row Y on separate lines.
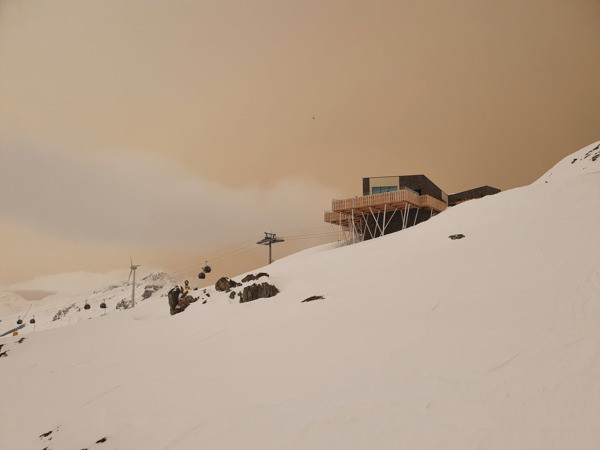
column 143, row 199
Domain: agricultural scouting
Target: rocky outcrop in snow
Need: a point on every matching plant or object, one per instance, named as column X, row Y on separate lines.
column 256, row 291
column 225, row 284
column 252, row 277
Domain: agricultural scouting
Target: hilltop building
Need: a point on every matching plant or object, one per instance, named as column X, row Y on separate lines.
column 471, row 194
column 391, row 204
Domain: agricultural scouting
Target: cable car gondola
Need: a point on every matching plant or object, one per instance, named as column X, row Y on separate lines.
column 103, row 305
column 87, row 306
column 19, row 321
column 206, row 269
column 202, row 275
column 32, row 321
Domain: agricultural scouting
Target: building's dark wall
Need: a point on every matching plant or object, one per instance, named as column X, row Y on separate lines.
column 396, row 223
column 422, row 185
column 471, row 194
column 366, row 186
column 419, row 183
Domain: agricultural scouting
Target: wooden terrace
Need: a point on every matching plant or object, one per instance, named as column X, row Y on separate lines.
column 347, row 210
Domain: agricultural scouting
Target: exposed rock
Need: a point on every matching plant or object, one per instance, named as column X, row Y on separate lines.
column 177, row 304
column 225, row 284
column 232, row 295
column 62, row 312
column 256, row 291
column 314, row 297
column 124, row 304
column 252, row 277
column 156, row 276
column 184, row 302
column 149, row 290
column 456, row 236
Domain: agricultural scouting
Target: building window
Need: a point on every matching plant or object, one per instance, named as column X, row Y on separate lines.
column 380, row 189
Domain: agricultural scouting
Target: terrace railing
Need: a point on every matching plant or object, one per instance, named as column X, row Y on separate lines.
column 399, row 197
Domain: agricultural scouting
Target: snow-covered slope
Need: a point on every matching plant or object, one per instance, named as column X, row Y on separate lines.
column 65, row 296
column 11, row 303
column 421, row 342
column 585, row 161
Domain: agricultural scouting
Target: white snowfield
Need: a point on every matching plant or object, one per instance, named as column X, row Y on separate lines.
column 421, row 342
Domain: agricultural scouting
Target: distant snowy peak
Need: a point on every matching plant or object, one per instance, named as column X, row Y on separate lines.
column 58, row 309
column 81, row 283
column 157, row 276
column 584, row 161
column 11, row 302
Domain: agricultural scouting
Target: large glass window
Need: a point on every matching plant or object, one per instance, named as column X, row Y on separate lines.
column 380, row 189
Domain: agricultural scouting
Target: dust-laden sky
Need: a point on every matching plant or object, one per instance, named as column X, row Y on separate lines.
column 170, row 128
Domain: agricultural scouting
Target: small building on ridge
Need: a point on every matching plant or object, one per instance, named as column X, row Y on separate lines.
column 471, row 194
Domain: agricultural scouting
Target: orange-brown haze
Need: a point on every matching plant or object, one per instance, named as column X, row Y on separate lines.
column 244, row 95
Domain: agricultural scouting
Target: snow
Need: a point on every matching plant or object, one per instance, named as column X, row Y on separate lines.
column 11, row 302
column 421, row 342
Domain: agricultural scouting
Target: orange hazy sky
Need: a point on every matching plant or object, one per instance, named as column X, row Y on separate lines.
column 171, row 128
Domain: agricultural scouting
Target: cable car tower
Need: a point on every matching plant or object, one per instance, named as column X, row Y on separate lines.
column 270, row 239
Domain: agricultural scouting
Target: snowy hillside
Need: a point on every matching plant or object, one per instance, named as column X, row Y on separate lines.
column 420, row 342
column 60, row 300
column 11, row 302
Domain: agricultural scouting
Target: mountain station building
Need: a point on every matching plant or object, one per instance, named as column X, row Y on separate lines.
column 391, row 204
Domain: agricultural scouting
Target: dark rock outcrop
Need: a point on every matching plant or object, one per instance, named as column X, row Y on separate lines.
column 256, row 291
column 225, row 284
column 177, row 303
column 124, row 304
column 183, row 303
column 313, row 298
column 456, row 236
column 149, row 290
column 252, row 277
